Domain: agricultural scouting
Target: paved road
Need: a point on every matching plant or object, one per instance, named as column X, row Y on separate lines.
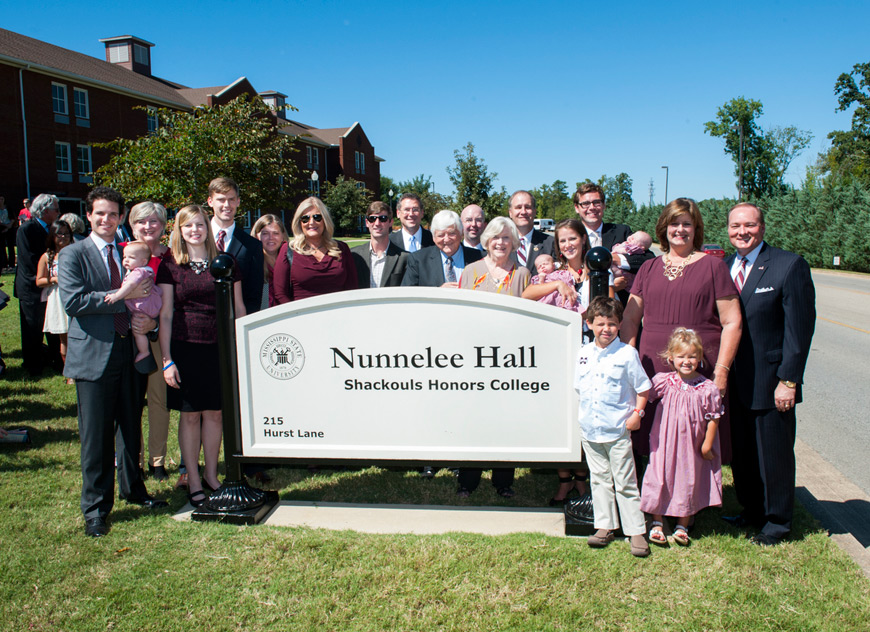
column 835, row 417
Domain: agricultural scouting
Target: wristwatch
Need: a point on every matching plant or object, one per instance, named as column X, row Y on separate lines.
column 640, row 412
column 788, row 384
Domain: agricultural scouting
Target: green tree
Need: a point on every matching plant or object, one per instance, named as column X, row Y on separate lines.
column 174, row 165
column 423, row 187
column 849, row 155
column 387, row 185
column 474, row 183
column 766, row 154
column 553, row 200
column 347, row 202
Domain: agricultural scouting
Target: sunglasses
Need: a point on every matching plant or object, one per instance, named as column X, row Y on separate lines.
column 317, row 218
column 373, row 218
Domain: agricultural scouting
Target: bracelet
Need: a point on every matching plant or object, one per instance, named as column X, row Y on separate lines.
column 727, row 368
column 168, row 365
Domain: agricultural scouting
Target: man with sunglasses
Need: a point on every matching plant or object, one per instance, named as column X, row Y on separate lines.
column 589, row 203
column 379, row 263
column 412, row 236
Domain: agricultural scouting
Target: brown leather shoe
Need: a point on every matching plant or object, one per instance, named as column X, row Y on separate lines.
column 600, row 538
column 181, row 483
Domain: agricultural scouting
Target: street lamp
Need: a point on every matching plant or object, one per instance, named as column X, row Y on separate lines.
column 391, row 200
column 314, row 179
column 665, row 167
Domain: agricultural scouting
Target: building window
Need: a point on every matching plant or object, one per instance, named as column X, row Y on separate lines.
column 312, row 154
column 152, row 119
column 83, row 153
column 62, row 157
column 360, row 185
column 118, row 53
column 58, row 98
column 80, row 103
column 140, row 54
column 359, row 161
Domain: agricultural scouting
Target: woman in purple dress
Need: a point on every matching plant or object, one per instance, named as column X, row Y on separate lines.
column 683, row 288
column 321, row 264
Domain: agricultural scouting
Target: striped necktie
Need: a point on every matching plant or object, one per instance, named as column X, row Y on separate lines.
column 740, row 279
column 221, row 240
column 521, row 252
column 122, row 320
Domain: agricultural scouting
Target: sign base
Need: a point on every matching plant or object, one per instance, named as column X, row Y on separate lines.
column 240, row 516
column 579, row 518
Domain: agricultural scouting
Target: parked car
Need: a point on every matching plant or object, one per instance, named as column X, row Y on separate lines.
column 545, row 224
column 713, row 249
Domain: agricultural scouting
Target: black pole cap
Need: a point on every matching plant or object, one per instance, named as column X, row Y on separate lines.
column 222, row 266
column 598, row 259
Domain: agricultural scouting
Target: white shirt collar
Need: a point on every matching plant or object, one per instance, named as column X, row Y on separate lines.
column 229, row 231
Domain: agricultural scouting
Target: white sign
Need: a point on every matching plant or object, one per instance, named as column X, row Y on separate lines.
column 418, row 374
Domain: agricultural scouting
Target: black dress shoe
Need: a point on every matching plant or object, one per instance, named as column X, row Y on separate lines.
column 147, row 501
column 762, row 539
column 427, row 472
column 96, row 527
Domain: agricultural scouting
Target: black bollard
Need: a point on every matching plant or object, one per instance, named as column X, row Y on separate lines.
column 235, row 501
column 579, row 517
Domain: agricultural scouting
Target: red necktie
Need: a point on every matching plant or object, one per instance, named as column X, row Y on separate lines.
column 741, row 275
column 220, row 242
column 521, row 252
column 122, row 321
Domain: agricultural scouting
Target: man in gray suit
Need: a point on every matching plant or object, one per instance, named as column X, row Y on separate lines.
column 441, row 265
column 379, row 263
column 99, row 357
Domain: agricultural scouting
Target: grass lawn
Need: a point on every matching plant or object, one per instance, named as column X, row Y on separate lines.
column 153, row 573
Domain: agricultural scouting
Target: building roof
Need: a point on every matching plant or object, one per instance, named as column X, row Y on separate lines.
column 39, row 56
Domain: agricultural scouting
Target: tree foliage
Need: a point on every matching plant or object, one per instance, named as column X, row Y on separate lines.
column 174, row 165
column 423, row 187
column 554, row 201
column 849, row 155
column 475, row 184
column 347, row 202
column 766, row 154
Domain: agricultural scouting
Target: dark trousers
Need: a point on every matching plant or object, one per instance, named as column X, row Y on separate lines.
column 109, row 411
column 469, row 478
column 7, row 248
column 32, row 318
column 763, row 465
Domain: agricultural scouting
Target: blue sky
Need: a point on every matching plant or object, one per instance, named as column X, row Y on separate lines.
column 545, row 91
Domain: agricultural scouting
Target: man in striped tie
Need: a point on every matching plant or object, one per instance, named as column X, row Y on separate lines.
column 777, row 300
column 522, row 210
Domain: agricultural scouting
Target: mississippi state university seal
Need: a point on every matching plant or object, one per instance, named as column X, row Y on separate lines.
column 282, row 356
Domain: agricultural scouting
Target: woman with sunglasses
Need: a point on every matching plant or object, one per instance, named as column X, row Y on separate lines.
column 320, row 264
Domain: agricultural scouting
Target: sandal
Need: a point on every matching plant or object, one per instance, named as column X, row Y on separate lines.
column 681, row 535
column 563, row 480
column 196, row 498
column 657, row 534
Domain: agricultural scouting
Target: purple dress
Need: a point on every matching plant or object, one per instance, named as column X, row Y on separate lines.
column 678, row 480
column 687, row 301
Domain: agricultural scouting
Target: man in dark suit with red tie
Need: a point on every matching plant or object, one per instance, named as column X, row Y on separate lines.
column 777, row 299
column 522, row 210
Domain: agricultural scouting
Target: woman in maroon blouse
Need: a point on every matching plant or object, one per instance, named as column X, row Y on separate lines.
column 188, row 343
column 321, row 265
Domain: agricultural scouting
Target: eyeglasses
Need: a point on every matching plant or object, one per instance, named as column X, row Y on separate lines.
column 374, row 218
column 595, row 203
column 317, row 218
column 64, row 234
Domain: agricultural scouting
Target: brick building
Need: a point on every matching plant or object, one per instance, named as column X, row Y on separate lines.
column 55, row 104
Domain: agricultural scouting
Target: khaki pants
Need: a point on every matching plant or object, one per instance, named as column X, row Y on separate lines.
column 614, row 483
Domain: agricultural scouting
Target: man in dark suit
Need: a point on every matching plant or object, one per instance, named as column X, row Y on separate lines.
column 31, row 243
column 777, row 299
column 533, row 242
column 379, row 263
column 224, row 200
column 589, row 204
column 100, row 354
column 412, row 236
column 441, row 265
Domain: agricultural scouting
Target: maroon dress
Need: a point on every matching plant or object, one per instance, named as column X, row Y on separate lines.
column 687, row 301
column 310, row 277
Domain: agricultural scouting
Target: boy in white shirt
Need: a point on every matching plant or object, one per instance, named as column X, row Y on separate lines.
column 613, row 389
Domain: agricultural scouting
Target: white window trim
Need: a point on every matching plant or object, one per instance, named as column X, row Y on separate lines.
column 68, row 157
column 90, row 160
column 65, row 99
column 87, row 104
column 151, row 115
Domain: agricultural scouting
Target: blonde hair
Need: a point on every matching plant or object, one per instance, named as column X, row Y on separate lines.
column 298, row 243
column 259, row 225
column 136, row 247
column 681, row 339
column 176, row 241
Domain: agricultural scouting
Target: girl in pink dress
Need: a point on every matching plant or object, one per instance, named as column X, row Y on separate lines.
column 685, row 464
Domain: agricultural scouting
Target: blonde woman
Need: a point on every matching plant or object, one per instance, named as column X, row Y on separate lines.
column 188, row 344
column 321, row 265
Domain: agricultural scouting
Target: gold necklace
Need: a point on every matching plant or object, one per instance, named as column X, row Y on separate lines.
column 672, row 271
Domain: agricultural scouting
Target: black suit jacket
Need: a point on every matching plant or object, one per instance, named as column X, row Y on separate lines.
column 778, row 303
column 542, row 244
column 248, row 252
column 30, row 243
column 399, row 241
column 425, row 270
column 394, row 266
